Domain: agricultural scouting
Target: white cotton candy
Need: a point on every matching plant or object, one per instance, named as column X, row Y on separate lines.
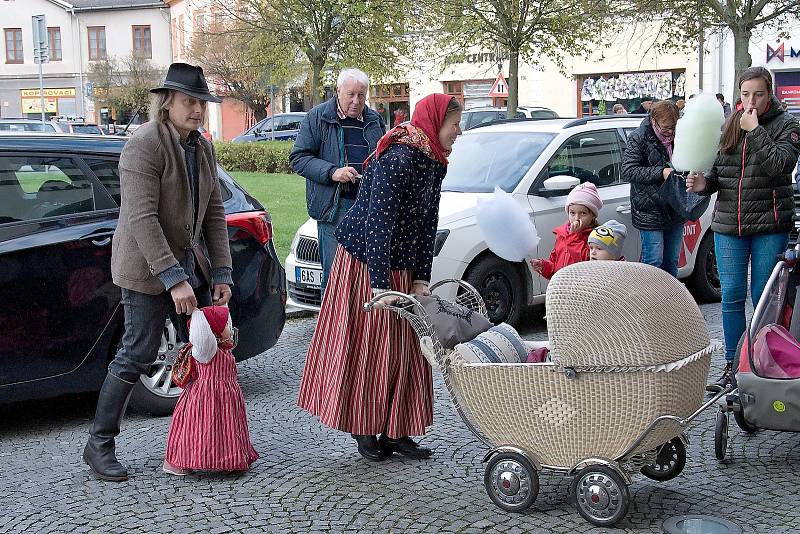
column 202, row 338
column 506, row 227
column 697, row 134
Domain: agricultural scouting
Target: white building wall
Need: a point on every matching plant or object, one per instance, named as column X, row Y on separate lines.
column 71, row 71
column 545, row 85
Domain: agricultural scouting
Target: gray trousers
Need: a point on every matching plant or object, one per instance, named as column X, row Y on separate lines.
column 145, row 317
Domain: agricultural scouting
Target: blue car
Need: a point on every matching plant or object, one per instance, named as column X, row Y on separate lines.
column 285, row 126
column 61, row 313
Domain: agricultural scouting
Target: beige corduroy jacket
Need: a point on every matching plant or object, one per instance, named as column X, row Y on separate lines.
column 155, row 218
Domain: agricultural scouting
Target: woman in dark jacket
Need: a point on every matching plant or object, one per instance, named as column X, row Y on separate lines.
column 753, row 215
column 645, row 165
column 364, row 373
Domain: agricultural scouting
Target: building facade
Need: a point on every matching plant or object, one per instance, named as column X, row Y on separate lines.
column 79, row 32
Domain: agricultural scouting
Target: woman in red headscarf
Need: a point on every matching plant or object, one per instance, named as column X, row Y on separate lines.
column 364, row 373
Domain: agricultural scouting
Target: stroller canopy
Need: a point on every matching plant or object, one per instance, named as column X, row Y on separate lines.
column 621, row 314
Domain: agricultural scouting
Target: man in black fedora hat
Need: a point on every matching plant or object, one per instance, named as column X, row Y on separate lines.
column 170, row 253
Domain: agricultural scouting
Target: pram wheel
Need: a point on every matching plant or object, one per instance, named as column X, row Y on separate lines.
column 511, row 481
column 721, row 435
column 670, row 461
column 601, row 496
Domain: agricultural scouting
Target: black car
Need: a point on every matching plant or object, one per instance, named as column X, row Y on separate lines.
column 60, row 312
column 285, row 126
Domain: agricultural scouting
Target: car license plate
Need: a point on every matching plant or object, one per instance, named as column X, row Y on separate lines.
column 309, row 277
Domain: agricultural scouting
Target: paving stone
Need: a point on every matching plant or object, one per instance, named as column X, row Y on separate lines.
column 311, row 479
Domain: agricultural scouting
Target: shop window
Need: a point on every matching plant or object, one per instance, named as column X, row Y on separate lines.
column 142, row 45
column 97, row 42
column 14, row 45
column 54, row 38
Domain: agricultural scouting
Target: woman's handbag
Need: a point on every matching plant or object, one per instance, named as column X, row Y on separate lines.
column 183, row 367
column 688, row 205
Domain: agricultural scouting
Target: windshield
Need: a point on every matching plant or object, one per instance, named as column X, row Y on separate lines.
column 86, row 129
column 483, row 160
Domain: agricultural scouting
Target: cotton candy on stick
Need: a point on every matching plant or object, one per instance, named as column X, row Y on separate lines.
column 697, row 134
column 506, row 227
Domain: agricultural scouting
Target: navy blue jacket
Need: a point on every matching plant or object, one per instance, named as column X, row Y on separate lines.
column 319, row 151
column 392, row 224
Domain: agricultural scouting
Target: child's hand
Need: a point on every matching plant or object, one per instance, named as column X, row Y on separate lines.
column 574, row 226
column 536, row 265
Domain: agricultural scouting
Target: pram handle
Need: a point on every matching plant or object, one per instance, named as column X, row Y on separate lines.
column 374, row 302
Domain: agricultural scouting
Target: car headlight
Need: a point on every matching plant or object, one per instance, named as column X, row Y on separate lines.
column 295, row 241
column 438, row 243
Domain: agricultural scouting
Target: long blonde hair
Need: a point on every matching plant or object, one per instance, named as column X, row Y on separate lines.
column 158, row 105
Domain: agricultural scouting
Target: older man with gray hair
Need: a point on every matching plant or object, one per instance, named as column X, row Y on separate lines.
column 334, row 140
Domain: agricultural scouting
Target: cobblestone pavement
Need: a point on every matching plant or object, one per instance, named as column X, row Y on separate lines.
column 311, row 479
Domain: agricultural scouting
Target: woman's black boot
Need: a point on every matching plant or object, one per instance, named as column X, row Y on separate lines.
column 369, row 448
column 99, row 451
column 405, row 446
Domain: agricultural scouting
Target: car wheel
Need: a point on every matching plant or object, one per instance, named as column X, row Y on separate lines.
column 704, row 280
column 154, row 393
column 499, row 284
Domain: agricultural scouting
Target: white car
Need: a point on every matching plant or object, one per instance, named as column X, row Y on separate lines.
column 519, row 157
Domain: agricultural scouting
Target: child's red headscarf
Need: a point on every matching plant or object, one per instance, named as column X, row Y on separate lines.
column 422, row 133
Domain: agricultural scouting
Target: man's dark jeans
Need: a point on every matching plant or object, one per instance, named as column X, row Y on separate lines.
column 145, row 317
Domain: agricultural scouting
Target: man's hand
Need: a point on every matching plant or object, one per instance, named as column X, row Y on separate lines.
column 666, row 172
column 749, row 120
column 222, row 294
column 696, row 182
column 183, row 296
column 345, row 175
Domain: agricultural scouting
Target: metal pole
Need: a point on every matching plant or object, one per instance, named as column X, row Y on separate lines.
column 41, row 93
column 272, row 107
column 701, row 45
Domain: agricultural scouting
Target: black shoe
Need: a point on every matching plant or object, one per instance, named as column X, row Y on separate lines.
column 99, row 451
column 405, row 446
column 369, row 448
column 724, row 380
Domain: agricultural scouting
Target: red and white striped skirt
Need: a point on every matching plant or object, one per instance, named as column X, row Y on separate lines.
column 364, row 372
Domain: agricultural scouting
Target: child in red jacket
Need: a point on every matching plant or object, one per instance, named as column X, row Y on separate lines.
column 583, row 205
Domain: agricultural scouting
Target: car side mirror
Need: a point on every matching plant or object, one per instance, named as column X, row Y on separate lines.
column 557, row 186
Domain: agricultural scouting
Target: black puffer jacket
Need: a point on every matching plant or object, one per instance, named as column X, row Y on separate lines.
column 757, row 199
column 643, row 165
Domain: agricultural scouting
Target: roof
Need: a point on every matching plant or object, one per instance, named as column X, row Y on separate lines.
column 76, row 143
column 553, row 125
column 93, row 5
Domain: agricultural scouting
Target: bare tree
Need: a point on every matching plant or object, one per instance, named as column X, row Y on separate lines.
column 124, row 83
column 523, row 29
column 369, row 34
column 245, row 62
column 683, row 22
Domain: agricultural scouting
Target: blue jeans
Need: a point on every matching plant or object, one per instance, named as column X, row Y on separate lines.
column 733, row 256
column 145, row 317
column 662, row 248
column 327, row 239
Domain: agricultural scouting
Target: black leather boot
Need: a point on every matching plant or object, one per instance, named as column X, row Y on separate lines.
column 405, row 446
column 369, row 448
column 724, row 380
column 99, row 451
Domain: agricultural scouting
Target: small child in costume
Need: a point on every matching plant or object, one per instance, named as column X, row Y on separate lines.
column 606, row 241
column 583, row 205
column 209, row 427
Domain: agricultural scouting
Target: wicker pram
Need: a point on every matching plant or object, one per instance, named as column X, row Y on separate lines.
column 630, row 358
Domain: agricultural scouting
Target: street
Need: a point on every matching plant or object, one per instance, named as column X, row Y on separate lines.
column 311, row 479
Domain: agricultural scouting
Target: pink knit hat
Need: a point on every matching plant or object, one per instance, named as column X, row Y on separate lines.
column 585, row 194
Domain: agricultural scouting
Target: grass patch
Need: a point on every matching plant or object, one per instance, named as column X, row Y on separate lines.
column 284, row 195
